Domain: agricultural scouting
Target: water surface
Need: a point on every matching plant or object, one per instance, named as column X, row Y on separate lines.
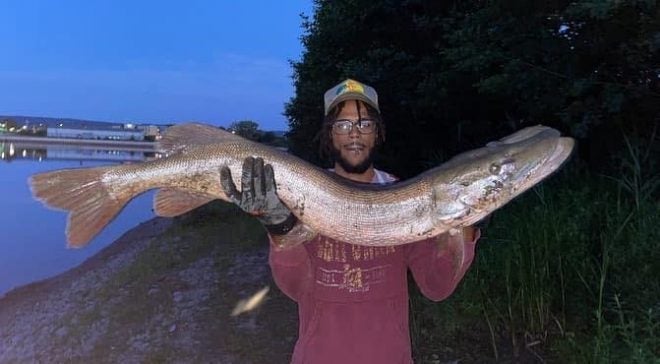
column 32, row 240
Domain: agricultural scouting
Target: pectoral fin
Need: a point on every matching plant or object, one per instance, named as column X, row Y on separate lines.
column 170, row 202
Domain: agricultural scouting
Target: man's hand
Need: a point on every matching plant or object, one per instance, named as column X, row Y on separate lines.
column 258, row 195
column 452, row 241
column 469, row 233
column 452, row 245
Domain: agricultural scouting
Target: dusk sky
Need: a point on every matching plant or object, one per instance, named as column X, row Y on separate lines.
column 150, row 61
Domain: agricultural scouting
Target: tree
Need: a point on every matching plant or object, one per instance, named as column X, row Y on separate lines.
column 454, row 75
column 588, row 68
column 246, row 128
column 267, row 137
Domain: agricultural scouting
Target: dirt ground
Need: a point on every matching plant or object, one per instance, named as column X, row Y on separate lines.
column 165, row 292
column 158, row 294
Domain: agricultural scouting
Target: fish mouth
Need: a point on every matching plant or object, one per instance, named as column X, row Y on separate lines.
column 539, row 171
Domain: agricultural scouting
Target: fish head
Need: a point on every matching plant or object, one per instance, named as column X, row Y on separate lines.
column 476, row 183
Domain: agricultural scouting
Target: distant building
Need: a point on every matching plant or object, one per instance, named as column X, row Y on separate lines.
column 7, row 125
column 151, row 132
column 100, row 134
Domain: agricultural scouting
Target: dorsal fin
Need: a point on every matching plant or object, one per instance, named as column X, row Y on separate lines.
column 529, row 132
column 178, row 137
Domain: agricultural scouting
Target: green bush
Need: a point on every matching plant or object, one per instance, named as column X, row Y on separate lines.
column 567, row 271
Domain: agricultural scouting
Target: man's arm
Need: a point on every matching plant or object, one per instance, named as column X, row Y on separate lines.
column 290, row 264
column 438, row 264
column 288, row 257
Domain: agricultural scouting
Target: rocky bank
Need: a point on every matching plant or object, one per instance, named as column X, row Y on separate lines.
column 163, row 292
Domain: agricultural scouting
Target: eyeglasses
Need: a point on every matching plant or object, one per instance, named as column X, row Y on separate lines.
column 345, row 126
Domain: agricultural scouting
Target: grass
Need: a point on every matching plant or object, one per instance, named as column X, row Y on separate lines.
column 566, row 273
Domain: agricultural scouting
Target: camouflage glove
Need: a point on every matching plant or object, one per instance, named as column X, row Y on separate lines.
column 258, row 195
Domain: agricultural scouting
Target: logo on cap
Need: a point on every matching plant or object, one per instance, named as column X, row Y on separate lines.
column 350, row 86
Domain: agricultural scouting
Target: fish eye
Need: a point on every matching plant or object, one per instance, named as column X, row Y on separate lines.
column 494, row 168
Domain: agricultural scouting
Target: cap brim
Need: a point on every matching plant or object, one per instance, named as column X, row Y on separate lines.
column 351, row 96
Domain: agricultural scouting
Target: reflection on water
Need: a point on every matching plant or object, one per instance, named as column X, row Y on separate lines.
column 34, row 151
column 32, row 237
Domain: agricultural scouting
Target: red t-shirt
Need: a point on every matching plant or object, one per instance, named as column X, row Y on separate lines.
column 353, row 300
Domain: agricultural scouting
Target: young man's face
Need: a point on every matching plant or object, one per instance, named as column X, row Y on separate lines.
column 354, row 151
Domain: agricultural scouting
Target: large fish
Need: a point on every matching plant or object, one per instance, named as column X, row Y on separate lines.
column 458, row 193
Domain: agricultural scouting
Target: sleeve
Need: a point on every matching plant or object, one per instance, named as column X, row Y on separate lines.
column 438, row 264
column 291, row 268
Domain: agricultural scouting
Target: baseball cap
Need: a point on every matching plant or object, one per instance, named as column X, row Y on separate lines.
column 350, row 90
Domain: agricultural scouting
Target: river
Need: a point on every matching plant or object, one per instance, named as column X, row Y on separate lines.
column 32, row 240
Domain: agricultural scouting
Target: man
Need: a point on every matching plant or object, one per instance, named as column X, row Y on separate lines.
column 352, row 300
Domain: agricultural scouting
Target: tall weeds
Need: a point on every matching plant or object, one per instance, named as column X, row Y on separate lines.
column 571, row 271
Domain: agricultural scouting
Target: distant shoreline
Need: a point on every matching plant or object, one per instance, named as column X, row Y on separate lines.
column 148, row 146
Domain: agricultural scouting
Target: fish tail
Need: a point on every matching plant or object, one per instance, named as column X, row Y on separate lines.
column 83, row 193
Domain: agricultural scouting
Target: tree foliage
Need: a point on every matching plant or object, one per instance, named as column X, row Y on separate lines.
column 250, row 130
column 246, row 128
column 453, row 75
